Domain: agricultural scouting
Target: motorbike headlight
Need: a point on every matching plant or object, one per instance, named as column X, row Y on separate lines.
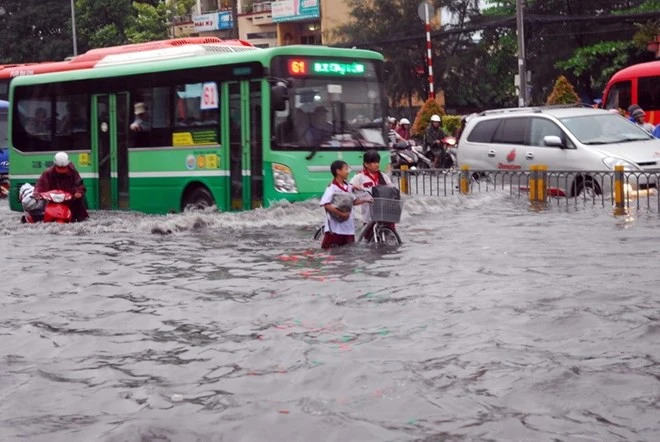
column 283, row 179
column 610, row 162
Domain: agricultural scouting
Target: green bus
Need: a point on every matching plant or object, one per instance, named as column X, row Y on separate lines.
column 237, row 127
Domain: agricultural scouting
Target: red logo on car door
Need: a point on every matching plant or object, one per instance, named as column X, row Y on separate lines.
column 512, row 156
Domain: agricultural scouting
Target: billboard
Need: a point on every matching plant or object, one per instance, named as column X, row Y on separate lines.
column 292, row 10
column 213, row 22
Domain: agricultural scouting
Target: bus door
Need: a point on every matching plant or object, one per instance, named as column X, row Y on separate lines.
column 245, row 145
column 111, row 149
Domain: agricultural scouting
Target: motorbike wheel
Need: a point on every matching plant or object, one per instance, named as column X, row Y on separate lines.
column 318, row 235
column 388, row 237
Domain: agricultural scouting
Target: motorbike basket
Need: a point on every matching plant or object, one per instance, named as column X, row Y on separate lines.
column 386, row 210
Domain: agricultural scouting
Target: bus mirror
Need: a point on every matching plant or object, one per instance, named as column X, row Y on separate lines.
column 279, row 94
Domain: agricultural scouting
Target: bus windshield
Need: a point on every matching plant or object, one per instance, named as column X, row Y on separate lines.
column 330, row 114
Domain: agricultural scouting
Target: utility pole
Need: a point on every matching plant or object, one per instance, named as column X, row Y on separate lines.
column 522, row 64
column 234, row 18
column 73, row 28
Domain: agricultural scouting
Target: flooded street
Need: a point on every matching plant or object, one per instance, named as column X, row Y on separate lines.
column 491, row 322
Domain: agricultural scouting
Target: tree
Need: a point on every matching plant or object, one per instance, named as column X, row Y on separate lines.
column 35, row 30
column 563, row 93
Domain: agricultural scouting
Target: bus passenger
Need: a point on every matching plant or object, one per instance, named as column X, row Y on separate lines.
column 141, row 122
column 338, row 201
column 40, row 124
column 62, row 175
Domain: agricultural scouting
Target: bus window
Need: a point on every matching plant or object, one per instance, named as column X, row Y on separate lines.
column 331, row 113
column 33, row 125
column 73, row 114
column 619, row 95
column 648, row 93
column 189, row 109
column 156, row 102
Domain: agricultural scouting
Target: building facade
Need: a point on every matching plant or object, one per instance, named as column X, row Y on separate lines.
column 266, row 23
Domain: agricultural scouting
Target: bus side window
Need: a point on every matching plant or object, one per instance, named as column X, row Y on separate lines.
column 156, row 104
column 619, row 95
column 648, row 93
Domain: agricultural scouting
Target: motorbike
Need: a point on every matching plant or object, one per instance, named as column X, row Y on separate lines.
column 4, row 173
column 55, row 211
column 448, row 160
column 403, row 154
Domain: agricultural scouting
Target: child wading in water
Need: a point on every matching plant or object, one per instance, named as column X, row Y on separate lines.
column 337, row 200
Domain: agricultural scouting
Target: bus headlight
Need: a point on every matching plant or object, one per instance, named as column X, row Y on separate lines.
column 283, row 179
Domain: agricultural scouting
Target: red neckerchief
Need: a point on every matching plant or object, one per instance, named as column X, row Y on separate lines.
column 374, row 178
column 344, row 188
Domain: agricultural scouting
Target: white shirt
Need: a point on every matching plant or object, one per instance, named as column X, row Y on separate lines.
column 364, row 181
column 332, row 225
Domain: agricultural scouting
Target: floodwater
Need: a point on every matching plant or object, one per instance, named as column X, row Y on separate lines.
column 491, row 322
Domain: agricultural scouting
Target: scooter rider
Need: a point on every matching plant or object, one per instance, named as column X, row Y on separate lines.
column 62, row 175
column 433, row 141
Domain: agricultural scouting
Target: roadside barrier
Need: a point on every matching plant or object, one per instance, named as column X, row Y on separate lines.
column 618, row 189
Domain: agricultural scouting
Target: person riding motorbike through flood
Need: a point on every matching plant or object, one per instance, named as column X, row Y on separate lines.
column 433, row 141
column 404, row 129
column 365, row 180
column 62, row 175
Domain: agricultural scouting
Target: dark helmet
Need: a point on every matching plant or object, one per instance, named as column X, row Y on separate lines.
column 371, row 156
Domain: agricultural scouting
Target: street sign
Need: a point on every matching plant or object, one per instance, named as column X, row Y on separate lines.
column 425, row 11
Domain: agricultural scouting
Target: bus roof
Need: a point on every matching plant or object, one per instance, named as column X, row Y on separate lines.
column 192, row 57
column 649, row 69
column 91, row 57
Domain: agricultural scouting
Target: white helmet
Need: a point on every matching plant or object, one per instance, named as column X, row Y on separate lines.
column 61, row 159
column 25, row 191
column 404, row 121
column 436, row 118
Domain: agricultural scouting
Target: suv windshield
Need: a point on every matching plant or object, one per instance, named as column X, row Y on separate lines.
column 604, row 129
column 331, row 114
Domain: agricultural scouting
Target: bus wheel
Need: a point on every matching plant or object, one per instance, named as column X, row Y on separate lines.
column 198, row 198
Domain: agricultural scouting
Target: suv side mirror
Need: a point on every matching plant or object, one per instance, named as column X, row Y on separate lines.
column 553, row 141
column 279, row 94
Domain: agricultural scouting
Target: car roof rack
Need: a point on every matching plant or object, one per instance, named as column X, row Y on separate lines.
column 535, row 109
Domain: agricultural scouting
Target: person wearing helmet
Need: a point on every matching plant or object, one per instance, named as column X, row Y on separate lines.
column 392, row 136
column 433, row 140
column 33, row 208
column 62, row 175
column 404, row 129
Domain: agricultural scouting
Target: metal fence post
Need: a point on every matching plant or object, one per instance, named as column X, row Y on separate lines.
column 619, row 194
column 404, row 184
column 465, row 179
column 533, row 177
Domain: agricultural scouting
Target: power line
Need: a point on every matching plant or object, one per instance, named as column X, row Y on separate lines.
column 510, row 22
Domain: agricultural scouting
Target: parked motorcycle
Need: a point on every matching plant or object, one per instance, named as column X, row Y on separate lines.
column 402, row 154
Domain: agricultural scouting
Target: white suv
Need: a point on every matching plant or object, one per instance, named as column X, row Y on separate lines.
column 564, row 139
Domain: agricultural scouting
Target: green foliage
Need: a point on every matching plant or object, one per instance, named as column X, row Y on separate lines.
column 563, row 93
column 430, row 108
column 451, row 123
column 35, row 30
column 149, row 23
column 599, row 61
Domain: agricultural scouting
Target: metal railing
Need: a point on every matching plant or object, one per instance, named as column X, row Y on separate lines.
column 637, row 190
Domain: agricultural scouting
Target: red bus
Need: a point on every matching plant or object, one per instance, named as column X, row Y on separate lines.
column 91, row 57
column 637, row 84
